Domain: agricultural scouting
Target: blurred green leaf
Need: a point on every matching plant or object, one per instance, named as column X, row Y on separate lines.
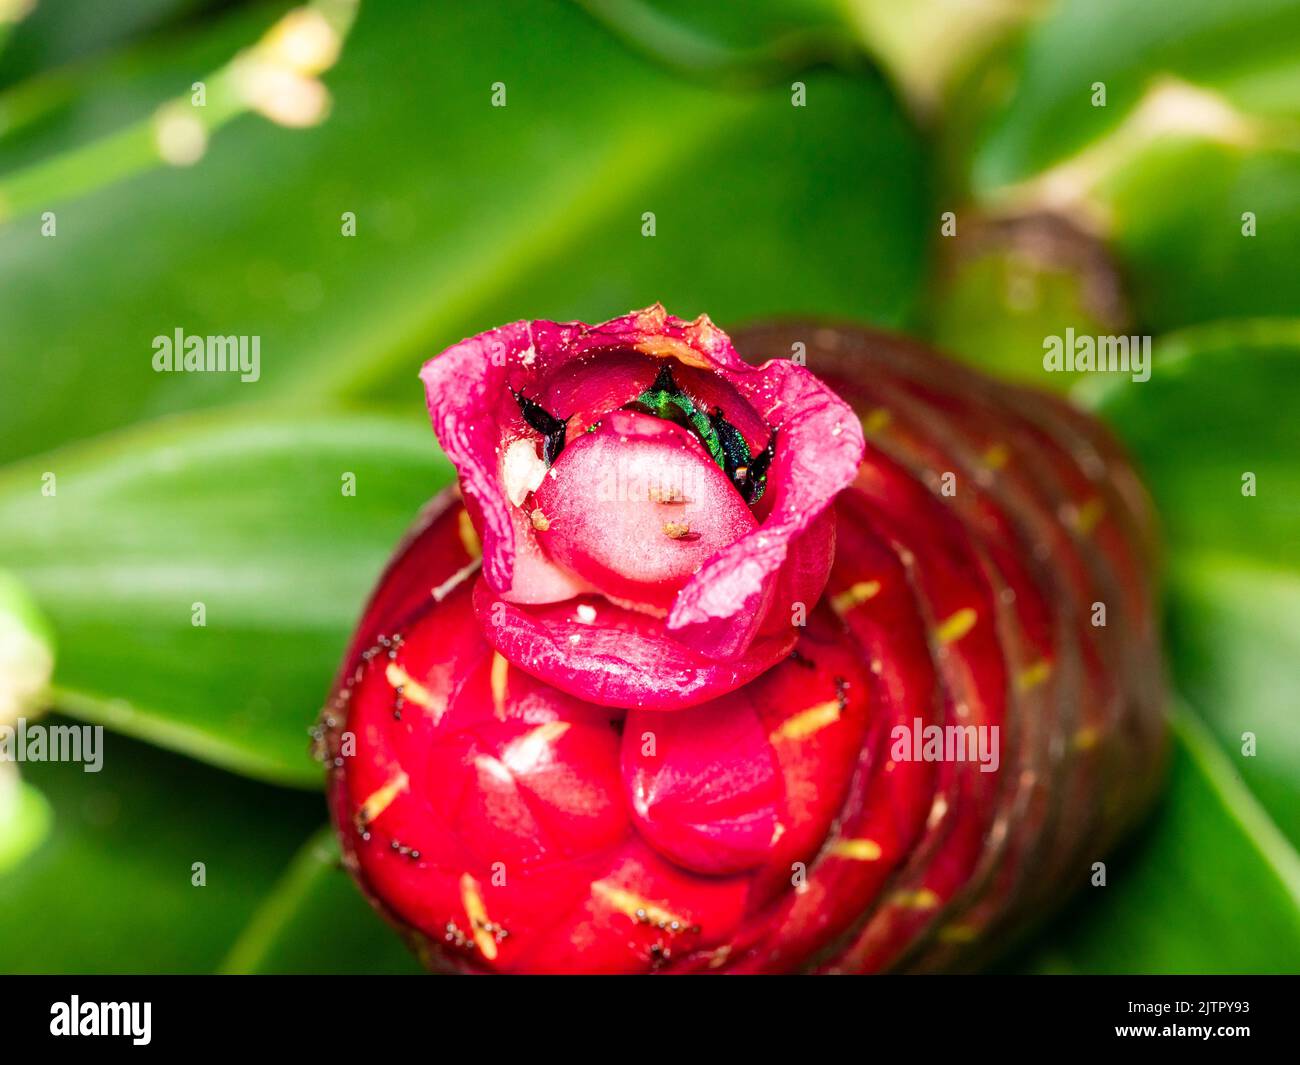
column 1210, row 413
column 949, row 58
column 1187, row 259
column 1210, row 887
column 467, row 215
column 275, row 76
column 755, row 41
column 50, row 115
column 243, row 514
column 1248, row 49
column 1218, row 405
column 60, row 31
column 110, row 890
column 315, row 921
column 1234, row 635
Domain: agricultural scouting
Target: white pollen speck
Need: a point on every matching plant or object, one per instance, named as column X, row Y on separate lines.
column 586, row 613
column 574, row 639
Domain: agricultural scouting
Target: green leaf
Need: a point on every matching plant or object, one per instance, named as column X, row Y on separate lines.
column 757, row 41
column 1210, row 887
column 1186, row 257
column 1217, row 407
column 315, row 921
column 56, row 33
column 1211, row 412
column 110, row 890
column 1248, row 50
column 949, row 59
column 467, row 215
column 103, row 97
column 1234, row 637
column 245, row 514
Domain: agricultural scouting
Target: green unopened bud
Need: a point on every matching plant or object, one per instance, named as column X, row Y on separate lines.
column 26, row 650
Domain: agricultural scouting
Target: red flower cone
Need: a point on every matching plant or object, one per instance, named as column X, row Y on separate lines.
column 689, row 676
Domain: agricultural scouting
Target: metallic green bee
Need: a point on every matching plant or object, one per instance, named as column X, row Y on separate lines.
column 722, row 440
column 665, row 399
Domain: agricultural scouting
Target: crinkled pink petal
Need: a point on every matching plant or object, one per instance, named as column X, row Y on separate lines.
column 736, row 594
column 607, row 654
column 820, row 445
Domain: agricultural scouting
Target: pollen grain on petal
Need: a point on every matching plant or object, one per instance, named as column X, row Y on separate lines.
column 500, row 681
column 958, row 933
column 921, row 899
column 857, row 850
column 996, row 456
column 472, row 899
column 807, row 722
column 635, row 906
column 468, row 537
column 876, row 421
column 379, row 801
column 956, row 625
column 532, row 748
column 1085, row 517
column 1033, row 675
column 854, row 595
column 413, row 691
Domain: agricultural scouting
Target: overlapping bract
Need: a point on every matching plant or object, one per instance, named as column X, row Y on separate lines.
column 992, row 572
